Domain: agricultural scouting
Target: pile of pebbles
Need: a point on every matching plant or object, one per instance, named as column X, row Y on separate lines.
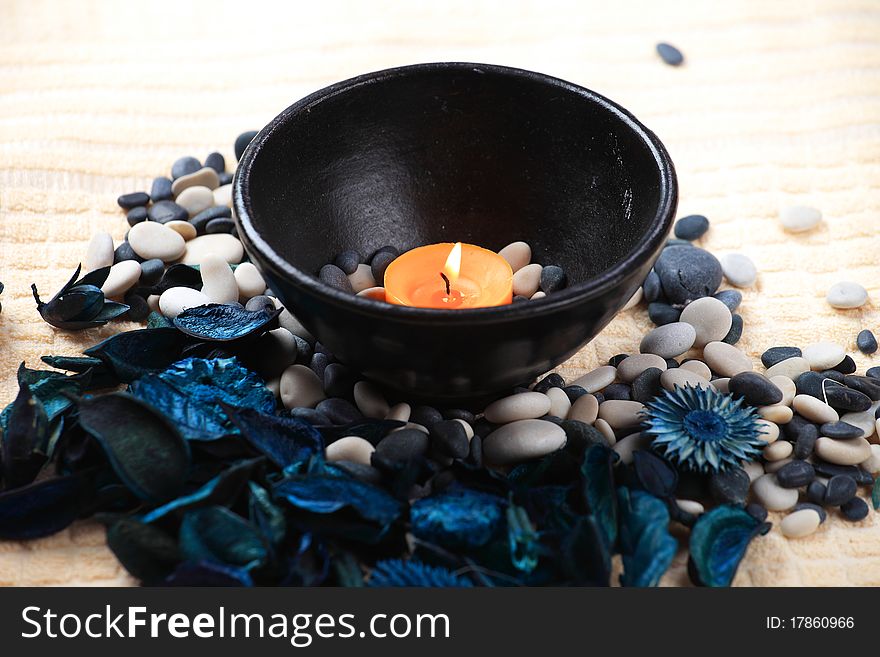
column 350, row 272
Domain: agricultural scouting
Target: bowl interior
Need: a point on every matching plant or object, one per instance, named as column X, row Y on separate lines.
column 462, row 153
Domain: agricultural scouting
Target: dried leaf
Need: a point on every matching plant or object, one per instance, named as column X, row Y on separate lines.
column 646, row 545
column 215, row 533
column 133, row 354
column 458, row 518
column 286, row 441
column 40, row 509
column 398, row 573
column 144, row 550
column 224, row 323
column 718, row 543
column 599, row 491
column 25, row 440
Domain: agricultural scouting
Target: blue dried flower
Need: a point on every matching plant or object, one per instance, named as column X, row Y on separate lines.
column 396, row 572
column 702, row 429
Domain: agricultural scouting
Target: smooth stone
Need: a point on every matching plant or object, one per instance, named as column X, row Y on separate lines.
column 340, row 411
column 873, row 372
column 846, row 295
column 736, row 329
column 468, row 429
column 374, row 293
column 790, row 368
column 165, row 211
column 816, row 384
column 300, row 386
column 403, row 445
column 775, row 355
column 864, row 384
column 618, row 391
column 800, row 523
column 450, row 439
column 787, row 386
column 553, row 278
column 670, row 54
column 872, row 463
column 123, row 275
column 682, row 378
column 662, row 313
column 842, row 398
column 730, row 486
column 216, row 161
column 517, row 254
column 621, row 414
column 823, row 355
column 647, row 385
column 771, row 495
column 522, row 440
column 153, row 240
column 725, row 359
column 161, row 190
column 175, row 300
column 710, row 318
column 754, row 469
column 769, row 431
column 628, row 445
column 224, row 245
column 292, row 324
column 428, row 415
column 204, row 177
column 814, row 409
column 864, row 420
column 799, row 218
column 138, row 308
column 605, row 429
column 249, row 281
column 276, row 350
column 99, row 252
column 795, row 474
column 202, row 219
column 222, row 196
column 153, row 303
column 721, row 384
column 777, row 413
column 125, row 252
column 730, row 298
column 739, row 270
column 151, row 272
column 348, row 261
column 816, row 492
column 195, row 200
column 399, row 412
column 839, row 490
column 652, row 288
column 380, row 263
column 185, row 229
column 828, row 470
column 669, row 341
column 220, row 225
column 361, row 279
column 781, row 449
column 690, row 506
column 846, row 366
column 634, row 300
column 599, row 378
column 524, row 406
column 552, row 380
column 843, row 452
column 634, row 365
column 334, row 277
column 525, row 283
column 855, row 509
column 260, row 302
column 756, row 388
column 584, row 409
column 218, row 281
column 184, row 166
column 339, row 381
column 687, row 273
column 866, row 342
column 350, row 448
column 136, row 215
column 691, row 227
column 812, row 506
column 560, row 404
column 370, row 400
column 242, row 142
column 133, row 200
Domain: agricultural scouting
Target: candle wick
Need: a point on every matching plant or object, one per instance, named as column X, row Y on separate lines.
column 446, row 280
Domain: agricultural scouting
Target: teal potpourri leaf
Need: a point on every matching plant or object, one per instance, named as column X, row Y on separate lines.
column 400, row 573
column 458, row 518
column 52, row 389
column 523, row 539
column 42, row 508
column 285, row 441
column 217, row 322
column 875, row 494
column 146, row 551
column 25, row 441
column 655, row 474
column 215, row 533
column 598, row 482
column 265, row 515
column 719, row 541
column 646, row 545
column 191, row 391
column 585, row 557
column 208, row 573
column 80, row 304
column 133, row 354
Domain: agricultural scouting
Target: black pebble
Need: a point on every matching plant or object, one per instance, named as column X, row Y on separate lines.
column 863, row 384
column 125, row 252
column 756, row 388
column 403, row 445
column 843, row 398
column 778, row 354
column 458, row 414
column 811, row 505
column 730, row 298
column 200, row 221
column 651, row 287
column 379, row 264
column 812, row 383
column 840, row 430
column 449, row 438
column 161, row 189
column 220, row 225
column 806, row 441
column 730, row 486
column 855, row 509
column 518, row 298
column 225, row 178
column 816, row 492
column 757, row 512
column 216, row 161
column 259, row 302
column 691, row 227
column 670, row 54
column 646, row 385
column 574, row 392
column 688, row 273
column 553, row 279
column 795, row 474
column 304, row 351
column 873, row 372
column 866, row 342
column 475, row 454
column 599, row 397
column 862, row 477
column 618, row 391
column 242, row 141
column 671, row 363
column 614, row 361
column 138, row 308
column 310, row 415
column 736, row 330
column 151, row 272
column 552, row 380
column 483, row 427
column 846, row 366
column 348, row 261
column 839, row 490
column 133, row 200
column 184, row 166
column 427, row 416
column 318, row 364
column 165, row 211
column 579, row 436
column 366, row 473
column 674, row 241
column 834, row 375
column 340, row 411
column 339, row 381
column 335, row 277
column 662, row 313
column 136, row 215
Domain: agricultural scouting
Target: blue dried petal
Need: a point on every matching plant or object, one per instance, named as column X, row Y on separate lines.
column 599, row 491
column 458, row 518
column 215, row 533
column 522, row 539
column 646, row 545
column 266, row 515
column 132, row 354
column 223, row 323
column 51, row 389
column 24, row 443
column 40, row 509
column 584, row 556
column 208, row 573
column 719, row 541
column 285, row 440
column 399, row 573
column 190, row 393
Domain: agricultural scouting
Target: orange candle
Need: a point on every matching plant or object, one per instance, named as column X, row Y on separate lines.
column 449, row 276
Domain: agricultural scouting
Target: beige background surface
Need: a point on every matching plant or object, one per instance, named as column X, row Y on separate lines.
column 778, row 103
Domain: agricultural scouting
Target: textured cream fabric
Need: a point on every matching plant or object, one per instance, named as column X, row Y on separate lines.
column 778, row 103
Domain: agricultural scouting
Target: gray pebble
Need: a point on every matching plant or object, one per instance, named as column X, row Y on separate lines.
column 846, row 295
column 710, row 318
column 739, row 269
column 669, row 340
column 335, row 277
column 522, row 440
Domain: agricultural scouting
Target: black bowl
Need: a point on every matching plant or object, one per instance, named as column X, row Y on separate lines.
column 455, row 152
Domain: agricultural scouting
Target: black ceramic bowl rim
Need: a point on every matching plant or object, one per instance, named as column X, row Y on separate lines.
column 574, row 294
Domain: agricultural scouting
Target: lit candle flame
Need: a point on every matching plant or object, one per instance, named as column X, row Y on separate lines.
column 453, row 264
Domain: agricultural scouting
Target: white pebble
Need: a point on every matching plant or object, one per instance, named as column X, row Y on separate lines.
column 772, row 467
column 540, row 294
column 800, row 523
column 823, row 355
column 517, row 254
column 560, row 404
column 814, row 409
column 771, row 495
column 598, row 378
column 872, row 463
column 725, row 359
column 722, row 384
column 223, row 195
column 153, row 303
column 527, row 280
column 753, row 469
column 605, row 429
column 697, row 366
column 276, row 350
column 710, row 318
column 585, row 409
column 204, row 177
column 123, row 275
column 150, row 239
column 626, row 446
column 350, row 448
column 195, row 199
column 399, row 412
column 634, row 365
column 370, row 400
column 175, row 300
column 847, row 294
column 739, row 269
column 789, row 368
column 99, row 252
column 678, row 377
column 522, row 406
column 291, row 323
column 777, row 451
column 786, row 385
column 185, row 229
column 468, row 429
column 362, row 278
column 250, row 281
column 522, row 440
column 864, row 420
column 851, row 451
column 634, row 300
column 222, row 244
column 800, row 218
column 300, row 387
column 621, row 413
column 777, row 413
column 690, row 506
column 218, row 281
column 769, row 432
